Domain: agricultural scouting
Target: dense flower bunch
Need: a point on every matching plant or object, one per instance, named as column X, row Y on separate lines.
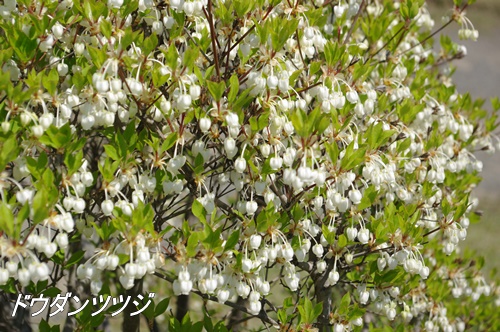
column 309, row 163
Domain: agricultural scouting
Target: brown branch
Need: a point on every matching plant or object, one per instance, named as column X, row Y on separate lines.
column 213, row 36
column 351, row 30
column 262, row 315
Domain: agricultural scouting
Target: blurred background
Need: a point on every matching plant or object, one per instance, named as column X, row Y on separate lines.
column 479, row 74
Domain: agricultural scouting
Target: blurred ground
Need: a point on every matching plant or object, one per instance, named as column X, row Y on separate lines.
column 479, row 73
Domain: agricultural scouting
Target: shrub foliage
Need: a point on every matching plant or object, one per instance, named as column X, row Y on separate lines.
column 306, row 164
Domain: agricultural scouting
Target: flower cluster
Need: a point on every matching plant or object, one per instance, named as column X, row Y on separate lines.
column 241, row 150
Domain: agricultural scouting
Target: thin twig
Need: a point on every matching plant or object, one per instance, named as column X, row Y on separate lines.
column 213, row 36
column 351, row 30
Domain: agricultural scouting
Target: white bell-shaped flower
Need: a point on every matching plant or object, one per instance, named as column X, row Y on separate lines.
column 240, row 165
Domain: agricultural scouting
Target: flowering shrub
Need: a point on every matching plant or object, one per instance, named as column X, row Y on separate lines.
column 307, row 164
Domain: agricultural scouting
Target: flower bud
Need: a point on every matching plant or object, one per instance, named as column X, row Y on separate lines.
column 195, row 91
column 24, row 277
column 255, row 240
column 265, row 149
column 4, row 276
column 348, row 258
column 223, row 295
column 126, row 281
column 254, row 307
column 351, row 232
column 364, row 235
column 211, row 285
column 50, row 249
column 131, row 270
column 320, row 266
column 115, row 3
column 101, row 262
column 318, row 250
column 272, row 82
column 381, row 263
column 276, row 163
column 364, row 296
column 242, row 289
column 246, row 265
column 352, row 96
column 205, row 124
column 95, row 287
column 287, row 252
column 112, row 262
column 355, row 196
column 62, row 240
column 240, row 165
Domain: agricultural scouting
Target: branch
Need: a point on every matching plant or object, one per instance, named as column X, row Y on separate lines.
column 213, row 37
column 351, row 30
column 262, row 314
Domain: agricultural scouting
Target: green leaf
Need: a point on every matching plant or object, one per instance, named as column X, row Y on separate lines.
column 52, row 292
column 259, row 123
column 216, row 89
column 98, row 56
column 244, row 98
column 331, row 53
column 353, row 157
column 192, row 243
column 51, row 80
column 108, row 169
column 21, row 217
column 149, row 310
column 87, row 10
column 40, row 206
column 199, row 211
column 73, row 162
column 142, row 218
column 150, row 44
column 190, row 56
column 242, row 7
column 213, row 240
column 344, row 303
column 319, row 121
column 43, row 326
column 404, row 10
column 282, row 316
column 199, row 164
column 314, row 67
column 6, row 219
column 106, row 28
column 355, row 312
column 24, row 46
column 329, row 235
column 9, row 151
column 333, row 152
column 111, row 152
column 162, row 306
column 495, row 103
column 461, row 208
column 37, row 166
column 369, row 196
column 299, row 119
column 318, row 308
column 342, row 242
column 57, row 137
column 172, row 56
column 281, row 29
column 308, row 313
column 74, row 259
column 234, row 87
column 169, row 142
column 232, row 240
column 377, row 136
